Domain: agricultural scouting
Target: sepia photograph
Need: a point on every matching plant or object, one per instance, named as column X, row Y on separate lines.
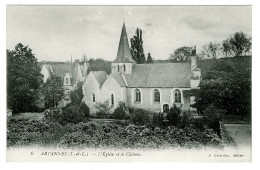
column 128, row 83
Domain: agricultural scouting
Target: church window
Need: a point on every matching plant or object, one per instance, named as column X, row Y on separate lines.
column 137, row 95
column 124, row 68
column 94, row 98
column 118, row 68
column 112, row 100
column 156, row 95
column 177, row 96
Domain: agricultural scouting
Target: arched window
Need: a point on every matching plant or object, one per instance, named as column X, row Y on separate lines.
column 177, row 96
column 67, row 81
column 94, row 98
column 118, row 68
column 137, row 95
column 112, row 100
column 156, row 95
column 124, row 68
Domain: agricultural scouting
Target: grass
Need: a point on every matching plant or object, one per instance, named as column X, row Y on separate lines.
column 29, row 116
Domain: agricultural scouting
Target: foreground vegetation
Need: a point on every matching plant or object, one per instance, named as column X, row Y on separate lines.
column 93, row 134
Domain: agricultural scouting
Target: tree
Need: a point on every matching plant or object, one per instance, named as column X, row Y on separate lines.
column 137, row 50
column 52, row 91
column 226, row 89
column 99, row 65
column 240, row 43
column 181, row 54
column 23, row 79
column 226, row 48
column 149, row 58
column 211, row 50
column 77, row 95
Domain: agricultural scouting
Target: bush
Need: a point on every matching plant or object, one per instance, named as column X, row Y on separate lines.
column 111, row 135
column 103, row 110
column 84, row 109
column 120, row 112
column 174, row 115
column 139, row 116
column 22, row 132
column 72, row 113
column 184, row 120
column 157, row 119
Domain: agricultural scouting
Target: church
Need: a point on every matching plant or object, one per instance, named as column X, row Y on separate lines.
column 154, row 87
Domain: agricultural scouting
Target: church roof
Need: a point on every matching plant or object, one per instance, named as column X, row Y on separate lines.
column 49, row 68
column 101, row 76
column 119, row 78
column 160, row 75
column 123, row 53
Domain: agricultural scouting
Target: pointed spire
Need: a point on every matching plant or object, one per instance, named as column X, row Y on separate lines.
column 123, row 53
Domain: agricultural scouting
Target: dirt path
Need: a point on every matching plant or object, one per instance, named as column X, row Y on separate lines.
column 241, row 133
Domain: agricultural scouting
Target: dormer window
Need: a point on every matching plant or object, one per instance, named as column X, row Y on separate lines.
column 67, row 81
column 124, row 68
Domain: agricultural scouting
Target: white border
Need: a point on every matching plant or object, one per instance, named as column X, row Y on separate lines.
column 255, row 89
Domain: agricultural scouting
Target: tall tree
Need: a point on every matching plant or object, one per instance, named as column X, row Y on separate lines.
column 52, row 92
column 240, row 43
column 181, row 54
column 137, row 50
column 226, row 48
column 23, row 79
column 149, row 58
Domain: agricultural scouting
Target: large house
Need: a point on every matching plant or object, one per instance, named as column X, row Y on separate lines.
column 154, row 87
column 70, row 73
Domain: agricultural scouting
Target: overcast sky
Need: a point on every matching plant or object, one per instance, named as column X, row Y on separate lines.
column 54, row 33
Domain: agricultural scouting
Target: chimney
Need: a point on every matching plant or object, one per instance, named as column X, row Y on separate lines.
column 193, row 58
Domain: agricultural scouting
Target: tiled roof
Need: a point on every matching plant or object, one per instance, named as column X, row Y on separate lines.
column 101, row 76
column 119, row 78
column 59, row 68
column 160, row 75
column 123, row 53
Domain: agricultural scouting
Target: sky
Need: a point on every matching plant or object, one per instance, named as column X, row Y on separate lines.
column 55, row 33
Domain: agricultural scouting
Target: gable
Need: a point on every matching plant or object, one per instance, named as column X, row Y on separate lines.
column 111, row 83
column 100, row 76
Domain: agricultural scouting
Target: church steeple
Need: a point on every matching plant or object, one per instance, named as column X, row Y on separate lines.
column 123, row 53
column 123, row 62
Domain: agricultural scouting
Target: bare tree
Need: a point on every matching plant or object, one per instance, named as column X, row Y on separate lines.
column 211, row 50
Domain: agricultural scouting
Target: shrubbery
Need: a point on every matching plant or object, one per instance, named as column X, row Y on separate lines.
column 139, row 116
column 212, row 116
column 70, row 114
column 174, row 115
column 103, row 110
column 24, row 132
column 120, row 112
column 109, row 135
